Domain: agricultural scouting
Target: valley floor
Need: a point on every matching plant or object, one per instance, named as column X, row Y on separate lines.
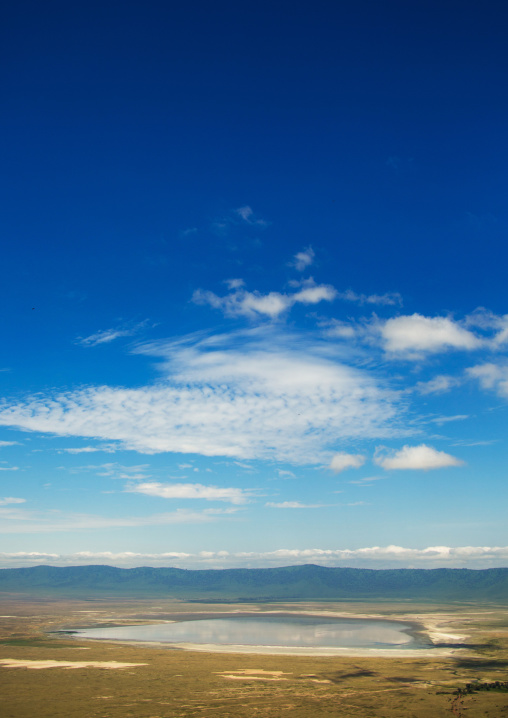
column 52, row 677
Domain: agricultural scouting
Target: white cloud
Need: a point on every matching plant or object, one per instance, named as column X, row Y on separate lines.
column 342, row 461
column 491, row 376
column 370, row 557
column 336, row 329
column 9, row 468
column 303, row 259
column 416, row 457
column 387, row 299
column 314, row 293
column 247, row 215
column 11, row 500
column 191, row 491
column 254, row 305
column 8, row 443
column 244, row 303
column 416, row 335
column 260, row 394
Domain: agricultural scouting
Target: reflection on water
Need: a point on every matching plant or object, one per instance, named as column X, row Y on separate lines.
column 303, row 631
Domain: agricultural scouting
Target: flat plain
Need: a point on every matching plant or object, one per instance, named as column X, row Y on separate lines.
column 50, row 675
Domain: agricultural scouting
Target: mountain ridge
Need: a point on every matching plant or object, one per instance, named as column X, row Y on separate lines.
column 302, row 582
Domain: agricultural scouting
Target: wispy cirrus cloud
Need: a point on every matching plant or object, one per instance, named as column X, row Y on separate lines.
column 285, row 474
column 191, row 491
column 113, row 470
column 366, row 481
column 248, row 395
column 16, row 520
column 105, row 336
column 438, row 385
column 292, row 505
column 387, row 299
column 266, row 392
column 5, row 500
column 106, row 448
column 446, row 419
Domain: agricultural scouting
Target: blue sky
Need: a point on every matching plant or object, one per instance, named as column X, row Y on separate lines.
column 253, row 289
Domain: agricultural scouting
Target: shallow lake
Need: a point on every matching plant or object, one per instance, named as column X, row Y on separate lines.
column 285, row 631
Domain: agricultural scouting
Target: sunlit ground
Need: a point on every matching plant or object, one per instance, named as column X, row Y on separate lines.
column 48, row 677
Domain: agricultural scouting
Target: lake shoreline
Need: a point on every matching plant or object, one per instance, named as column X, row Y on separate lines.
column 435, row 652
column 422, row 631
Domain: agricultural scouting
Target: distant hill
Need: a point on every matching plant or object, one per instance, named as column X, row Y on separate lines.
column 307, row 582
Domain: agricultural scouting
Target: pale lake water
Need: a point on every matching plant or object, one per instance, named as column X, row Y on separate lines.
column 287, row 631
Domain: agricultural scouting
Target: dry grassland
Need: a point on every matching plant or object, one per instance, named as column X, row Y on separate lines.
column 86, row 679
